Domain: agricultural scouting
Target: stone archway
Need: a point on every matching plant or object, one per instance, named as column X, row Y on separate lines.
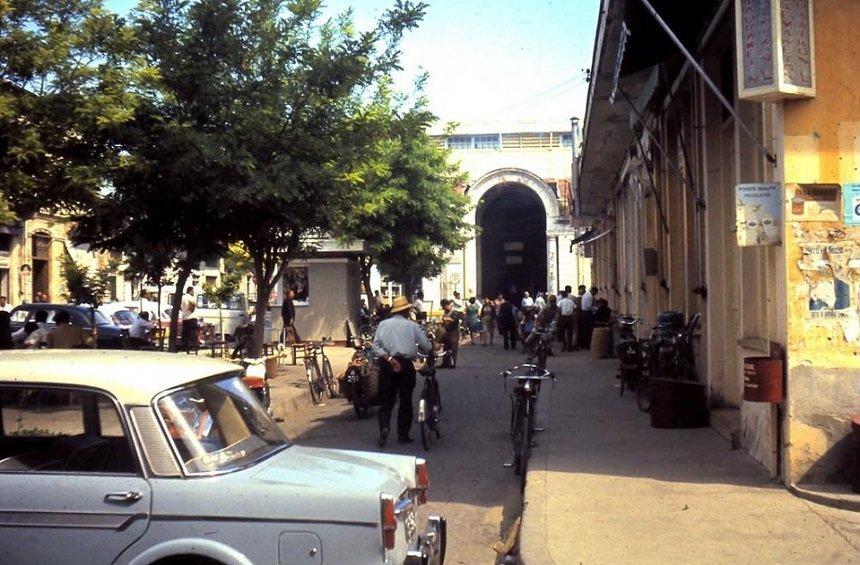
column 520, row 210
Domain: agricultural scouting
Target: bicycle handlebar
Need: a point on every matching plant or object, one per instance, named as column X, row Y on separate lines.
column 509, row 374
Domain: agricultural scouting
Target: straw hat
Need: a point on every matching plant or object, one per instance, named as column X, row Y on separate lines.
column 400, row 304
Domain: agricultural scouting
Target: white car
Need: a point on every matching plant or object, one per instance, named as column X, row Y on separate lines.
column 143, row 458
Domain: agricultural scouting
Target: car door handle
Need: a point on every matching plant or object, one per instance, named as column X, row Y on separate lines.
column 123, row 497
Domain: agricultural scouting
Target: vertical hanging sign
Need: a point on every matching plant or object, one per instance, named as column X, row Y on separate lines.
column 759, row 214
column 775, row 55
column 851, row 203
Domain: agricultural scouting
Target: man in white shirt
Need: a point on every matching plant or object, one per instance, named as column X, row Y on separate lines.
column 189, row 320
column 586, row 316
column 141, row 328
column 457, row 302
column 527, row 301
column 418, row 306
column 540, row 301
column 39, row 337
column 566, row 307
column 397, row 342
column 4, row 304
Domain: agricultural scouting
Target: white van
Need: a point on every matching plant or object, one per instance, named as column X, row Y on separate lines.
column 232, row 314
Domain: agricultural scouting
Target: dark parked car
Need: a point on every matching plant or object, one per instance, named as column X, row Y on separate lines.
column 109, row 336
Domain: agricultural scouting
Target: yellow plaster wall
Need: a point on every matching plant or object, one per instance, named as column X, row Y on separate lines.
column 822, row 145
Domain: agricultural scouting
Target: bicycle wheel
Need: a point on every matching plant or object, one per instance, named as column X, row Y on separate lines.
column 436, row 409
column 328, row 377
column 643, row 393
column 424, row 418
column 520, row 427
column 312, row 372
column 525, row 452
column 541, row 357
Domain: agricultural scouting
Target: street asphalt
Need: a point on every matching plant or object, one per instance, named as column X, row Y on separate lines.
column 469, row 483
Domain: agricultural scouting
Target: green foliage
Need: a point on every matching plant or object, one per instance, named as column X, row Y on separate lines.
column 63, row 81
column 408, row 210
column 85, row 287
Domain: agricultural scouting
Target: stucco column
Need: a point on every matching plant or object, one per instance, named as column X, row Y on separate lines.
column 551, row 265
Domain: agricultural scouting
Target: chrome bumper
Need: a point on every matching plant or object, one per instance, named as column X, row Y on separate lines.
column 430, row 549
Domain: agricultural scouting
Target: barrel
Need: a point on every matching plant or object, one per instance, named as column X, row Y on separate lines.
column 678, row 404
column 763, row 379
column 600, row 342
column 855, row 443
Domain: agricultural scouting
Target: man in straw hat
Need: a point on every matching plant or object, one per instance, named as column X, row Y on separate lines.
column 397, row 342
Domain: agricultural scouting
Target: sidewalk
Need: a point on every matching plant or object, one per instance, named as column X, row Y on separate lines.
column 605, row 487
column 290, row 388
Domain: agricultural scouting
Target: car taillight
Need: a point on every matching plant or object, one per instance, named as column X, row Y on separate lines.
column 422, row 480
column 389, row 521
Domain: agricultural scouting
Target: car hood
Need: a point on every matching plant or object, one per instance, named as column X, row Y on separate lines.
column 303, row 484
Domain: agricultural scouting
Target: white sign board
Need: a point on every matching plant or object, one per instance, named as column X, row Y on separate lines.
column 759, row 214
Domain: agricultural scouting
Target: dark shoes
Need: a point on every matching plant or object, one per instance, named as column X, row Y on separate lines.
column 406, row 439
column 383, row 437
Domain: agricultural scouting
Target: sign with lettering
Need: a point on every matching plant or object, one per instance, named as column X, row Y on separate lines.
column 759, row 214
column 774, row 40
column 851, row 203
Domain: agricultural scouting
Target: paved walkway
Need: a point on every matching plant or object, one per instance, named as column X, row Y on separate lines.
column 605, row 487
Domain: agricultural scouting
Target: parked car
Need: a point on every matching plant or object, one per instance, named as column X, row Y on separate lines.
column 141, row 458
column 118, row 314
column 232, row 314
column 108, row 335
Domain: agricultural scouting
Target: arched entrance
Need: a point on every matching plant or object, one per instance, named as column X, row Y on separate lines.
column 512, row 240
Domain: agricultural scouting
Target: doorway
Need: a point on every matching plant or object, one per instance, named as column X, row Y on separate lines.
column 512, row 252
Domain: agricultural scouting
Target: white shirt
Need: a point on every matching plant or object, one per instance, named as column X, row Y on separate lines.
column 187, row 306
column 418, row 305
column 527, row 302
column 566, row 306
column 6, row 308
column 587, row 301
column 540, row 302
column 399, row 336
column 457, row 303
column 38, row 337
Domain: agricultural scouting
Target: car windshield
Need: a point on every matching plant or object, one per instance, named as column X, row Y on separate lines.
column 124, row 317
column 219, row 426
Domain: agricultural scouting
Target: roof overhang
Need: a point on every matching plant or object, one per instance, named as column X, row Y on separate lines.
column 608, row 128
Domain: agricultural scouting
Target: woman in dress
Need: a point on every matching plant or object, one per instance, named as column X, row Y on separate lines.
column 473, row 320
column 488, row 320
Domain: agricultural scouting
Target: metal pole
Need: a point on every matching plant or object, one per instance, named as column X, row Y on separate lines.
column 708, row 80
column 649, row 132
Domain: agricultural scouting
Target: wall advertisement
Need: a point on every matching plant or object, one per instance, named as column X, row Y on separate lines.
column 851, row 203
column 759, row 214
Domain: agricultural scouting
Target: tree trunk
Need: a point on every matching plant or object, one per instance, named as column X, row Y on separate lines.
column 365, row 266
column 260, row 308
column 176, row 303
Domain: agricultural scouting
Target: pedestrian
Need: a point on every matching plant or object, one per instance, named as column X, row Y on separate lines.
column 488, row 320
column 189, row 320
column 473, row 319
column 419, row 308
column 451, row 335
column 4, row 305
column 566, row 307
column 6, row 331
column 540, row 301
column 587, row 317
column 288, row 317
column 507, row 323
column 456, row 302
column 396, row 343
column 140, row 332
column 527, row 301
column 34, row 334
column 544, row 321
column 67, row 336
column 602, row 314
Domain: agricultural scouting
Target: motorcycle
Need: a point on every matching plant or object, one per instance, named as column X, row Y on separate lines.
column 360, row 382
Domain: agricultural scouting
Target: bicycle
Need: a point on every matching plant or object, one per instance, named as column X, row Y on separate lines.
column 634, row 365
column 524, row 397
column 682, row 366
column 430, row 401
column 541, row 350
column 320, row 377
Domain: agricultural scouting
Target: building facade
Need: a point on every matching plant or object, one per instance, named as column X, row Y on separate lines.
column 724, row 182
column 519, row 186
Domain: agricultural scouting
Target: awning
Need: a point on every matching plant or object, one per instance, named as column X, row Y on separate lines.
column 594, row 238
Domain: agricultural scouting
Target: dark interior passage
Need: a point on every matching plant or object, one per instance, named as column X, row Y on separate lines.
column 511, row 241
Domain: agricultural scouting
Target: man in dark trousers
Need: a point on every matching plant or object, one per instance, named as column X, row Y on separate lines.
column 507, row 323
column 397, row 342
column 288, row 315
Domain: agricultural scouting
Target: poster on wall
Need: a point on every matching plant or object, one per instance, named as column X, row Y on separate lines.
column 851, row 203
column 814, row 202
column 829, row 270
column 759, row 214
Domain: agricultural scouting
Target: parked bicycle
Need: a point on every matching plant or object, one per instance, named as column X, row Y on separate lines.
column 430, row 401
column 524, row 397
column 682, row 366
column 634, row 367
column 537, row 347
column 319, row 374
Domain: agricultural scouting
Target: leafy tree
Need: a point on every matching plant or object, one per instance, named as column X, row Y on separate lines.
column 408, row 212
column 63, row 79
column 84, row 287
column 271, row 99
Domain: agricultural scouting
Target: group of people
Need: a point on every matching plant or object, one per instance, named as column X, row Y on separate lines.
column 37, row 334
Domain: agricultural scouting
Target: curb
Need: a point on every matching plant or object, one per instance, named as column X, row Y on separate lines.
column 532, row 538
column 284, row 405
column 848, row 501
